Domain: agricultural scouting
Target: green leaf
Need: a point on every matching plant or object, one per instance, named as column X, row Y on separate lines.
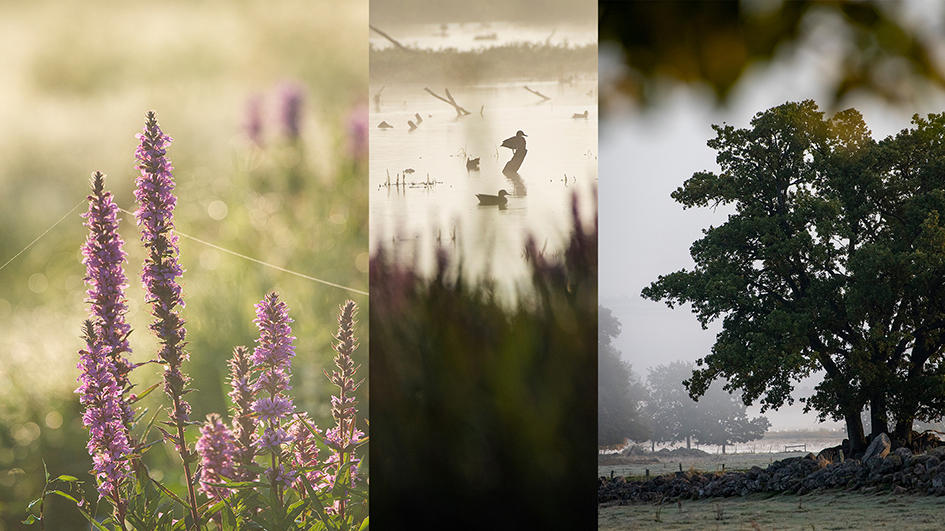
column 145, row 393
column 64, row 495
column 229, row 520
column 295, row 510
column 30, row 520
column 316, row 503
column 167, row 491
column 354, row 492
column 364, row 524
column 34, row 502
column 67, row 478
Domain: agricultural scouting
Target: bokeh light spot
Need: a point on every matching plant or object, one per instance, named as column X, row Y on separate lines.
column 38, row 283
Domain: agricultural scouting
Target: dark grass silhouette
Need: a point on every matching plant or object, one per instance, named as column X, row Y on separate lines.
column 484, row 415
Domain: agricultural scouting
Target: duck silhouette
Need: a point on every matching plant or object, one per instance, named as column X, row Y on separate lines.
column 486, row 199
column 517, row 145
column 472, row 164
column 579, row 116
column 516, row 142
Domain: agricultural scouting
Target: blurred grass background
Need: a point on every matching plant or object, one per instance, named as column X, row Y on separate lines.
column 485, row 411
column 75, row 81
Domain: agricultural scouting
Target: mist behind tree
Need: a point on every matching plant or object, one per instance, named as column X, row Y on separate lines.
column 620, row 393
column 718, row 418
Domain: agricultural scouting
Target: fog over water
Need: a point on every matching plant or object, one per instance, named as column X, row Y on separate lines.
column 428, row 146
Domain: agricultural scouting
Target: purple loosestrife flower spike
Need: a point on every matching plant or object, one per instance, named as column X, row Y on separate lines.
column 217, row 452
column 290, row 114
column 106, row 283
column 244, row 421
column 305, row 454
column 156, row 218
column 273, row 358
column 344, row 437
column 343, row 405
column 104, row 416
column 161, row 269
column 274, row 350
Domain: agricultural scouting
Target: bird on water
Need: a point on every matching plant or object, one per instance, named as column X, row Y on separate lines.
column 516, row 142
column 486, row 199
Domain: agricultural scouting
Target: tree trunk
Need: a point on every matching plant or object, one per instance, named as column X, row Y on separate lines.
column 904, row 431
column 855, row 433
column 878, row 420
column 653, row 446
column 723, row 448
column 688, row 445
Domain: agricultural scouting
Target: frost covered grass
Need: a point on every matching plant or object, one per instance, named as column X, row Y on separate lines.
column 817, row 511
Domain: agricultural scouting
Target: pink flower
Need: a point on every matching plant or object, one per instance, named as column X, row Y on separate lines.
column 104, row 415
column 216, row 450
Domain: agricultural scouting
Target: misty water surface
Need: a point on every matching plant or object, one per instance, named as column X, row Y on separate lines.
column 476, row 35
column 561, row 161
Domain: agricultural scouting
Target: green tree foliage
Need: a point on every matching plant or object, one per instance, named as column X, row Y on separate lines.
column 718, row 417
column 482, row 413
column 715, row 42
column 619, row 392
column 831, row 260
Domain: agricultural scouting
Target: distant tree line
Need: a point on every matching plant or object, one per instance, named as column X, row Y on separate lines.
column 661, row 410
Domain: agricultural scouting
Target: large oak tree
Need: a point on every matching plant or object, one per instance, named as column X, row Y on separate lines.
column 832, row 260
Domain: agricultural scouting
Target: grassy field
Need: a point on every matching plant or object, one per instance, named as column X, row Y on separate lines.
column 817, row 511
column 761, row 453
column 658, row 466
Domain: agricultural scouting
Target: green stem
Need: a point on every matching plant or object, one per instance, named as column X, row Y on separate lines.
column 185, row 456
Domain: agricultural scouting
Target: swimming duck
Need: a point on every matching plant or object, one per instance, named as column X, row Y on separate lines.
column 516, row 142
column 486, row 199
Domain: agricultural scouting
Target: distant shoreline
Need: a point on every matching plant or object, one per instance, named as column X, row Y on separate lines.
column 512, row 62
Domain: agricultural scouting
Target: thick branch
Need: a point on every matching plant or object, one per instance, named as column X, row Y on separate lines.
column 449, row 99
